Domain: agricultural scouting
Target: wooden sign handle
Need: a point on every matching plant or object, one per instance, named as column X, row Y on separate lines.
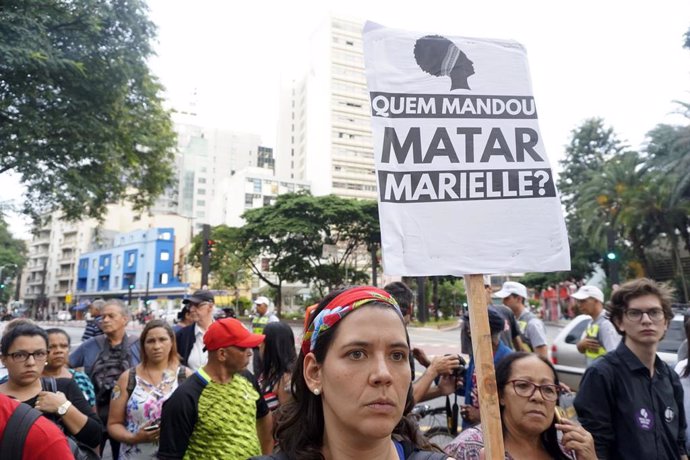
column 484, row 367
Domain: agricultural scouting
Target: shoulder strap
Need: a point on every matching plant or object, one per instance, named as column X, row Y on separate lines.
column 49, row 384
column 131, row 381
column 16, row 430
column 181, row 375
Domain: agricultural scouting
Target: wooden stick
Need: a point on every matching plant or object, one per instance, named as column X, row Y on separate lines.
column 484, row 367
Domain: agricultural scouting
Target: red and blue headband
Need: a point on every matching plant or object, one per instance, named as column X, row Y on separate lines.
column 341, row 306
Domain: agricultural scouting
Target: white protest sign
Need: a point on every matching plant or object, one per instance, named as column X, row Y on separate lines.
column 464, row 183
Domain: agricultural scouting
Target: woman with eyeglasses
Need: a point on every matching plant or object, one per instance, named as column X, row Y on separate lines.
column 528, row 393
column 24, row 353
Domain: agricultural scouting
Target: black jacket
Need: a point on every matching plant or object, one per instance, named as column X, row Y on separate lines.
column 185, row 342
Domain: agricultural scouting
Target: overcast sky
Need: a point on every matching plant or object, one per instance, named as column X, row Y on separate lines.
column 619, row 60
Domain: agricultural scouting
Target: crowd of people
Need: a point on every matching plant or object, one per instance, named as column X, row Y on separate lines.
column 346, row 389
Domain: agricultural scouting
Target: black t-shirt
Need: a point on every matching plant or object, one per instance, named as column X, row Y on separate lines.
column 90, row 434
column 180, row 414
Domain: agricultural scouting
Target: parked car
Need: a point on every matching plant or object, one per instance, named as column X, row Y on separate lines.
column 64, row 315
column 570, row 364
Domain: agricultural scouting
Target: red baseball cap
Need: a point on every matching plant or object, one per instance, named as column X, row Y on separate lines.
column 228, row 332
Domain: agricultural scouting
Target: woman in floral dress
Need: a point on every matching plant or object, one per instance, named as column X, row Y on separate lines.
column 138, row 396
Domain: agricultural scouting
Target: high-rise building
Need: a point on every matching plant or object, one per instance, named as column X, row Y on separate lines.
column 205, row 158
column 325, row 130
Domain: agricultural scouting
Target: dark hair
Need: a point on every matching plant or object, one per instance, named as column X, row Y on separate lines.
column 279, row 353
column 57, row 330
column 22, row 330
column 622, row 296
column 300, row 423
column 504, row 369
column 172, row 356
column 429, row 52
column 402, row 294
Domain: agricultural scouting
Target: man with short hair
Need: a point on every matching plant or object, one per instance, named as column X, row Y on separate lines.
column 105, row 357
column 219, row 411
column 511, row 333
column 601, row 336
column 93, row 326
column 190, row 339
column 630, row 400
column 263, row 316
column 441, row 367
column 532, row 329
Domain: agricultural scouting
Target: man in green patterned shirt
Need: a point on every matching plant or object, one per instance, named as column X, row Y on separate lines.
column 219, row 412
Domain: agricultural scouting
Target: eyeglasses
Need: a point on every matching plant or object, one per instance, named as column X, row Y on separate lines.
column 526, row 389
column 655, row 314
column 197, row 305
column 21, row 356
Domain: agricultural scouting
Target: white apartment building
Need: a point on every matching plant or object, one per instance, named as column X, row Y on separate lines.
column 205, row 157
column 325, row 131
column 49, row 277
column 251, row 188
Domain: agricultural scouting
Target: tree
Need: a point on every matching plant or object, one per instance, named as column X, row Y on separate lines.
column 592, row 144
column 81, row 119
column 12, row 258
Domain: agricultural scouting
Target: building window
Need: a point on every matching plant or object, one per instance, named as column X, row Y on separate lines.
column 201, row 202
column 106, row 261
column 93, row 284
column 118, row 261
column 165, row 236
column 164, row 278
column 130, row 259
column 94, row 263
column 202, row 180
column 117, row 281
column 201, row 191
column 165, row 255
column 257, row 185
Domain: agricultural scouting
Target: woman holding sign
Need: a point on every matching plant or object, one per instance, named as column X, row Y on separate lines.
column 528, row 392
column 352, row 384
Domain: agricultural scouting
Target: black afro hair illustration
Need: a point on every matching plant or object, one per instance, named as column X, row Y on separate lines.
column 440, row 57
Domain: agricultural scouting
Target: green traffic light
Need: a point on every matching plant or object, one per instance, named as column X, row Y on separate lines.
column 131, row 286
column 611, row 256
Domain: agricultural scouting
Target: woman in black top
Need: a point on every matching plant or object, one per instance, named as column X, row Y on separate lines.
column 24, row 353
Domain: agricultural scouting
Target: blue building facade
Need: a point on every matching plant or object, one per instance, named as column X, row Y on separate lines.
column 142, row 259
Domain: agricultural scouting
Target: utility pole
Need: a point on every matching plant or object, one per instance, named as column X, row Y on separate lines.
column 422, row 312
column 612, row 255
column 205, row 254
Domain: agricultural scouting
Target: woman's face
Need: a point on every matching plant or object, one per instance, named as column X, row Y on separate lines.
column 25, row 372
column 530, row 415
column 365, row 377
column 58, row 350
column 157, row 345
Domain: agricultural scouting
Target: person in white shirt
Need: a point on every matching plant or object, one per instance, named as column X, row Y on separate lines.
column 190, row 339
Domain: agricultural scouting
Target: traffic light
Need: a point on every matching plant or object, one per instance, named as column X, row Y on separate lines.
column 611, row 255
column 208, row 246
column 2, row 285
column 131, row 286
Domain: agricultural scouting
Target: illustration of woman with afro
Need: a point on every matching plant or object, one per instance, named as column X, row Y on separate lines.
column 440, row 57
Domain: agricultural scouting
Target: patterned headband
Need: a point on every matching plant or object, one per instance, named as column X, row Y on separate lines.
column 340, row 306
column 449, row 60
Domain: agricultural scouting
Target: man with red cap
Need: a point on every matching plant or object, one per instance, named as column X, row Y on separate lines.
column 219, row 412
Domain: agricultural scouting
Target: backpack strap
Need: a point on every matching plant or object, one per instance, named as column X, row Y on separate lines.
column 181, row 375
column 16, row 431
column 131, row 381
column 49, row 384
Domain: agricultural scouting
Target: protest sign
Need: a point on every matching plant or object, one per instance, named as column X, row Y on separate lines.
column 464, row 183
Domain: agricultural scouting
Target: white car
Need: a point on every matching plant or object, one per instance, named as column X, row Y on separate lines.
column 64, row 315
column 570, row 364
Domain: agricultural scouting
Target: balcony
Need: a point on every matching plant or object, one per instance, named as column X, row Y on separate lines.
column 34, row 282
column 64, row 275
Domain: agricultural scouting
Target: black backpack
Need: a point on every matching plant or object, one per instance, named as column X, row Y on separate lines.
column 107, row 369
column 16, row 430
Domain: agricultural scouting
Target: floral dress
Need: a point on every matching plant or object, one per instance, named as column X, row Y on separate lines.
column 145, row 404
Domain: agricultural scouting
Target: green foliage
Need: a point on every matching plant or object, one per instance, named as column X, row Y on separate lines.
column 81, row 119
column 12, row 258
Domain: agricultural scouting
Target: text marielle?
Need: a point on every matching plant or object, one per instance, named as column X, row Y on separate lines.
column 429, row 141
